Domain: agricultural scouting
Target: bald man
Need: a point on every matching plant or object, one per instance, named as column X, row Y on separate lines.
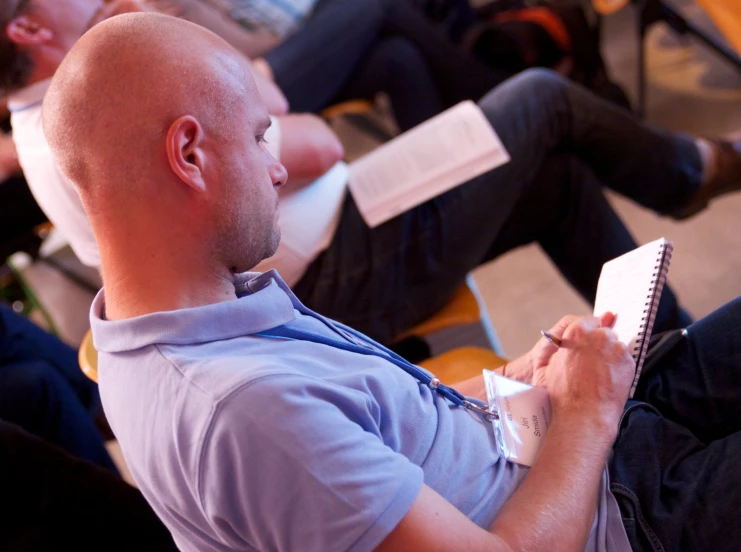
column 564, row 145
column 252, row 423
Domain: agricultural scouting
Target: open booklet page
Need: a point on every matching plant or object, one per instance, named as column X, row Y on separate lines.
column 428, row 160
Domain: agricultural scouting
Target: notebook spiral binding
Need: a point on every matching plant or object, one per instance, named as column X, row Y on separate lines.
column 651, row 308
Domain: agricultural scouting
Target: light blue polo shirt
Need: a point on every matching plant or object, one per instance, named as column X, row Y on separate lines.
column 242, row 441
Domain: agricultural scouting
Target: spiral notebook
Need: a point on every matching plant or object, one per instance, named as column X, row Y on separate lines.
column 630, row 286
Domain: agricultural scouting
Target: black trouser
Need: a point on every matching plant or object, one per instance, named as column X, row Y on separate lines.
column 19, row 214
column 566, row 146
column 53, row 501
column 342, row 52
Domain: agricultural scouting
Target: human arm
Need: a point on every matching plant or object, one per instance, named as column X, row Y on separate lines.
column 588, row 381
column 308, row 148
column 522, row 368
column 8, row 158
column 216, row 18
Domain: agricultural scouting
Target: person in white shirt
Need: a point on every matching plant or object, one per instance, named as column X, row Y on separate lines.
column 565, row 146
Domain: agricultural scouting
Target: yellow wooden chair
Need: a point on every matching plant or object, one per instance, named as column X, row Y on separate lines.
column 463, row 321
column 357, row 112
column 462, row 363
column 608, row 7
column 725, row 13
column 88, row 357
column 727, row 16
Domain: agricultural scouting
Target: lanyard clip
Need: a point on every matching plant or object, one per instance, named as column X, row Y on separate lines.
column 487, row 414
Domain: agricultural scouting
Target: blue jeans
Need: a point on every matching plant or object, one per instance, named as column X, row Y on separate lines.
column 566, row 146
column 43, row 390
column 675, row 469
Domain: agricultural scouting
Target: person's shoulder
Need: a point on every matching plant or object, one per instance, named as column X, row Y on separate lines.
column 223, row 371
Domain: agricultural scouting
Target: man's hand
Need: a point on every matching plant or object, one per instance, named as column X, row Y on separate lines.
column 539, row 356
column 588, row 378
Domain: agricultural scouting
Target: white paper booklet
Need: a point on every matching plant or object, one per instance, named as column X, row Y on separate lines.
column 424, row 162
column 630, row 286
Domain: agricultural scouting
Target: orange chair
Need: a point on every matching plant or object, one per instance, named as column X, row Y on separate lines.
column 358, row 112
column 463, row 363
column 463, row 321
column 725, row 13
column 88, row 357
column 727, row 16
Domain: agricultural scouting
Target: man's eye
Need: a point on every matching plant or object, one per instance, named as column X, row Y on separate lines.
column 261, row 139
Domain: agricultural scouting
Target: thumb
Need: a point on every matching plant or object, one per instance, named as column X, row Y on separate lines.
column 607, row 320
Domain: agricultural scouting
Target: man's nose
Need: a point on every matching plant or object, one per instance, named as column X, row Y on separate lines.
column 278, row 174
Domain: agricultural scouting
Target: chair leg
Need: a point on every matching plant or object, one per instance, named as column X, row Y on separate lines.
column 653, row 11
column 642, row 77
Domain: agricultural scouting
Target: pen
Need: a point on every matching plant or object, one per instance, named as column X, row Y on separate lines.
column 551, row 338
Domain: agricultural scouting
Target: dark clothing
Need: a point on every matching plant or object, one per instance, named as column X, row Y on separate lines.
column 565, row 145
column 52, row 501
column 335, row 56
column 675, row 467
column 43, row 390
column 19, row 215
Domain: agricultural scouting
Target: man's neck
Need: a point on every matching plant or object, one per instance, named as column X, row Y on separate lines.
column 136, row 287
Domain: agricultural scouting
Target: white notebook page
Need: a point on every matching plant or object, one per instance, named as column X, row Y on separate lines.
column 624, row 289
column 428, row 160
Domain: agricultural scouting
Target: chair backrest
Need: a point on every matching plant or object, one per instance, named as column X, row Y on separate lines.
column 88, row 357
column 607, row 7
column 727, row 16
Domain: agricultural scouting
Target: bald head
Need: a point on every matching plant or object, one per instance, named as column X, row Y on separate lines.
column 121, row 86
column 158, row 124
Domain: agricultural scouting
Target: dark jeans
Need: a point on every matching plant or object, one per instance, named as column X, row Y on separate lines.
column 52, row 501
column 566, row 145
column 43, row 390
column 19, row 214
column 342, row 53
column 675, row 468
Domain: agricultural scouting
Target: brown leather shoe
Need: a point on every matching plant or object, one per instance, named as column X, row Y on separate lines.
column 727, row 178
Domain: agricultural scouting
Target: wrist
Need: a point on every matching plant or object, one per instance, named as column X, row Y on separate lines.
column 596, row 426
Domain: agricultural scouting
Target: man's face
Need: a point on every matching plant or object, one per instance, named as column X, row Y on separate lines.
column 67, row 20
column 246, row 215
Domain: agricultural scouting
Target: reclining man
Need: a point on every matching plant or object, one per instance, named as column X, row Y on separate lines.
column 256, row 424
column 564, row 144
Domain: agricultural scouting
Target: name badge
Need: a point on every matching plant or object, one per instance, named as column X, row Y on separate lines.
column 524, row 416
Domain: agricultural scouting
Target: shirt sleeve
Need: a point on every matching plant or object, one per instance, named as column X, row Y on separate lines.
column 293, row 463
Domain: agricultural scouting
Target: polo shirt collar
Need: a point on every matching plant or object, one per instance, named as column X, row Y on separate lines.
column 265, row 302
column 28, row 97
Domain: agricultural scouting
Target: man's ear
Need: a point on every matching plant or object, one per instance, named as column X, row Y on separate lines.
column 185, row 151
column 26, row 31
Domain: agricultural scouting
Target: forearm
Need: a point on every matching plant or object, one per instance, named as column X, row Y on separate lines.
column 251, row 44
column 308, row 148
column 554, row 507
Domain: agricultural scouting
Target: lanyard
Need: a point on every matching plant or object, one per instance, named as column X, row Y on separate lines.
column 358, row 343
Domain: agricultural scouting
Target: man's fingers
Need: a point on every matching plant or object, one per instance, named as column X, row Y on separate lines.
column 607, row 320
column 562, row 324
